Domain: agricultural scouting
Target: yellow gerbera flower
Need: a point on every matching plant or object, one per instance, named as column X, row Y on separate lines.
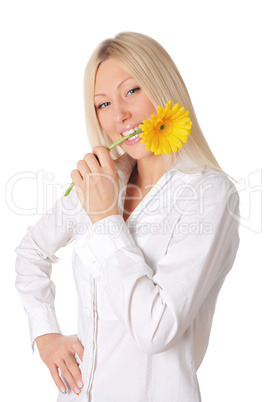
column 167, row 131
column 163, row 134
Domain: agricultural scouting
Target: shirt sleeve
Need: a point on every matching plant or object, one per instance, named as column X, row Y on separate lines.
column 35, row 255
column 158, row 308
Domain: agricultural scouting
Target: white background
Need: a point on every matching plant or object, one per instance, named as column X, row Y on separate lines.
column 220, row 50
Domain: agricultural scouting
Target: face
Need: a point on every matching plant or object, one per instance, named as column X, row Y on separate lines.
column 121, row 105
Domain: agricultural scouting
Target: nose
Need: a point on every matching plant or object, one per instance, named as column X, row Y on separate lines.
column 121, row 112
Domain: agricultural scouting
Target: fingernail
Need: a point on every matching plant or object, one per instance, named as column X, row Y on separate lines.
column 80, row 384
column 63, row 390
column 77, row 391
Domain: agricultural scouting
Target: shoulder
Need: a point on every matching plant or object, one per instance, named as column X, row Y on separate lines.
column 209, row 178
column 207, row 188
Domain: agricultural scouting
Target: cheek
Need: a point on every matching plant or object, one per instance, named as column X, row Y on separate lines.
column 148, row 107
column 108, row 127
column 104, row 122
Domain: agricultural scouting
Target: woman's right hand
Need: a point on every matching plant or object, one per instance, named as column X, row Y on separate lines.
column 58, row 353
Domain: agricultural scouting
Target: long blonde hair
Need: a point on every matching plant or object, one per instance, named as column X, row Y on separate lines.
column 153, row 68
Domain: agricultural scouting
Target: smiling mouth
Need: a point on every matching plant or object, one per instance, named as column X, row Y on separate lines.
column 132, row 131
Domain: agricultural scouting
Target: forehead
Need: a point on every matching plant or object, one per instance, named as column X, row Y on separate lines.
column 109, row 73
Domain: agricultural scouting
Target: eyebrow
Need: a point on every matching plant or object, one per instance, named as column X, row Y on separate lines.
column 117, row 86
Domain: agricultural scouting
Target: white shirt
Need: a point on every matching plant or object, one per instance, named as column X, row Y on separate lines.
column 147, row 287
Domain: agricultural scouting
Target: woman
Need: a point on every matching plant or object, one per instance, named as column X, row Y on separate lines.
column 154, row 238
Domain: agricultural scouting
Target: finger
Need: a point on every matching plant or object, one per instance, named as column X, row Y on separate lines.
column 83, row 168
column 92, row 162
column 104, row 157
column 76, row 177
column 67, row 374
column 79, row 185
column 74, row 370
column 56, row 377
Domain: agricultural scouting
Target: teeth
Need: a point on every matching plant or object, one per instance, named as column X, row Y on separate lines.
column 133, row 137
column 130, row 132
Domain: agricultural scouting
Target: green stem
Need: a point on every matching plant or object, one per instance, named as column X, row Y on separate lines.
column 109, row 148
column 69, row 189
column 123, row 139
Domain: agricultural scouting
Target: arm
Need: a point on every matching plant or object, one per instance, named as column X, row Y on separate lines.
column 35, row 255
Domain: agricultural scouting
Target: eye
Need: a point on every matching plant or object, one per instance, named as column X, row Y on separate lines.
column 133, row 91
column 103, row 105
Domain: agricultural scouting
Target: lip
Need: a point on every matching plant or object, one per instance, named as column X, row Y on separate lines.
column 132, row 142
column 129, row 127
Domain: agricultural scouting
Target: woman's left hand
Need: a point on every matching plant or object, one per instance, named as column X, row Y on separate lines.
column 97, row 184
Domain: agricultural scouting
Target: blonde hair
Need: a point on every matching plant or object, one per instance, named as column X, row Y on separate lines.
column 153, row 68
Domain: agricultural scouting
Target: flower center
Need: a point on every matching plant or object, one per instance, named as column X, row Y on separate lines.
column 162, row 127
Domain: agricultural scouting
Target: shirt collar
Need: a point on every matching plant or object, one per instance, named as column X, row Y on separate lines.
column 183, row 165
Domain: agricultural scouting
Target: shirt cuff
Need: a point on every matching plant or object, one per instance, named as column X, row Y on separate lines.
column 43, row 321
column 107, row 236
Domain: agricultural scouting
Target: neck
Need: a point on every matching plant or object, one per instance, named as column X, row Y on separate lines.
column 148, row 171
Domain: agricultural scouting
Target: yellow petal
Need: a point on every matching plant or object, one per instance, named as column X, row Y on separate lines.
column 167, row 131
